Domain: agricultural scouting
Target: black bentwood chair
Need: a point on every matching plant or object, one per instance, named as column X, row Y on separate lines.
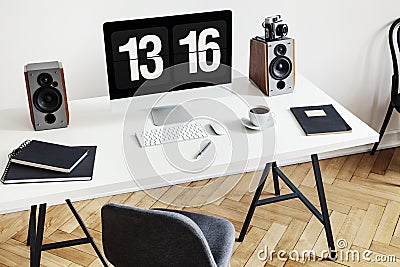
column 395, row 96
column 159, row 237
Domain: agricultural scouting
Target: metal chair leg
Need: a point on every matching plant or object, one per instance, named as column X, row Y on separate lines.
column 383, row 128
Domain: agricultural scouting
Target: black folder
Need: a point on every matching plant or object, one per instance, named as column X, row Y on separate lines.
column 316, row 120
column 17, row 173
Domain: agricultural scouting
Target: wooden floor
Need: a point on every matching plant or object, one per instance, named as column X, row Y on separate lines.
column 363, row 198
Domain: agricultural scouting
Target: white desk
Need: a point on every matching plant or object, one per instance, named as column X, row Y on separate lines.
column 122, row 166
column 92, row 123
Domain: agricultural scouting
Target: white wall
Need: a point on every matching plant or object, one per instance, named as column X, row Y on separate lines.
column 340, row 45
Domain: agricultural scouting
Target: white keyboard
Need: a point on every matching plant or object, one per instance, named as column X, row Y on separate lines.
column 170, row 134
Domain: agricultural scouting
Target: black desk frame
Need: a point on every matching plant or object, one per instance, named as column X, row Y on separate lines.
column 35, row 235
column 322, row 216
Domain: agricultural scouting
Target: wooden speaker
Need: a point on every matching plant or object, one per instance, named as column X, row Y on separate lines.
column 272, row 67
column 47, row 96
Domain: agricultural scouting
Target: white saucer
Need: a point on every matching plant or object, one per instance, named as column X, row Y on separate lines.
column 248, row 124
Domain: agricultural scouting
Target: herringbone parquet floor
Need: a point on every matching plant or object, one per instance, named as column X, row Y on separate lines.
column 363, row 197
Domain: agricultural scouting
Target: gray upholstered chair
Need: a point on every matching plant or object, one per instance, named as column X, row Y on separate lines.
column 160, row 237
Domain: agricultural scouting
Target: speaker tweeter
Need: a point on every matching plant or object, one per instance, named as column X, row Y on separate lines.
column 47, row 96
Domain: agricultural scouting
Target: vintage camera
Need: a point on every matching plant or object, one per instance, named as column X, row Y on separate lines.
column 274, row 28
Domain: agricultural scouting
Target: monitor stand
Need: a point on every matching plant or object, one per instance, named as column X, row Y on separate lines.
column 164, row 115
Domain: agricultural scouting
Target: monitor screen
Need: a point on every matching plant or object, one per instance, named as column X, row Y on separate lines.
column 173, row 52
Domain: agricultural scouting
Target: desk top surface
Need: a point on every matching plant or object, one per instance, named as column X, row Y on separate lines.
column 122, row 166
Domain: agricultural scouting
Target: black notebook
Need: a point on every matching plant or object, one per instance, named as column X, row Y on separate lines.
column 316, row 120
column 48, row 156
column 17, row 173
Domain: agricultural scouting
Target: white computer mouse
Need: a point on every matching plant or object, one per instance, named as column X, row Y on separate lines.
column 218, row 128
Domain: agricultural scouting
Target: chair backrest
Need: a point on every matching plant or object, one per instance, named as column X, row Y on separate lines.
column 393, row 51
column 141, row 237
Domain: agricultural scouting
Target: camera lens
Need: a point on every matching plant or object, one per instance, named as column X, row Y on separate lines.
column 47, row 99
column 280, row 68
column 44, row 79
column 282, row 30
column 280, row 50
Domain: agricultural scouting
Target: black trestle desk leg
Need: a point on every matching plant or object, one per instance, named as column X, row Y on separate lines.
column 85, row 230
column 276, row 179
column 32, row 233
column 32, row 225
column 36, row 245
column 36, row 230
column 254, row 202
column 383, row 128
column 324, row 209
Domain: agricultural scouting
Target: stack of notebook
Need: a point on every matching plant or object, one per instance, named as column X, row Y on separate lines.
column 36, row 161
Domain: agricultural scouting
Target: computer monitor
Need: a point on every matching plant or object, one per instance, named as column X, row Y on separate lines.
column 155, row 55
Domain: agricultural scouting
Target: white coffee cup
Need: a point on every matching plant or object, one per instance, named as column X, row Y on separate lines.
column 260, row 116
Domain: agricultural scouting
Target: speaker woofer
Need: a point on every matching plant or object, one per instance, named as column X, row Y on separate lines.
column 280, row 68
column 47, row 99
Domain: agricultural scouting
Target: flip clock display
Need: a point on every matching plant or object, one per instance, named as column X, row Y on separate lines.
column 199, row 46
